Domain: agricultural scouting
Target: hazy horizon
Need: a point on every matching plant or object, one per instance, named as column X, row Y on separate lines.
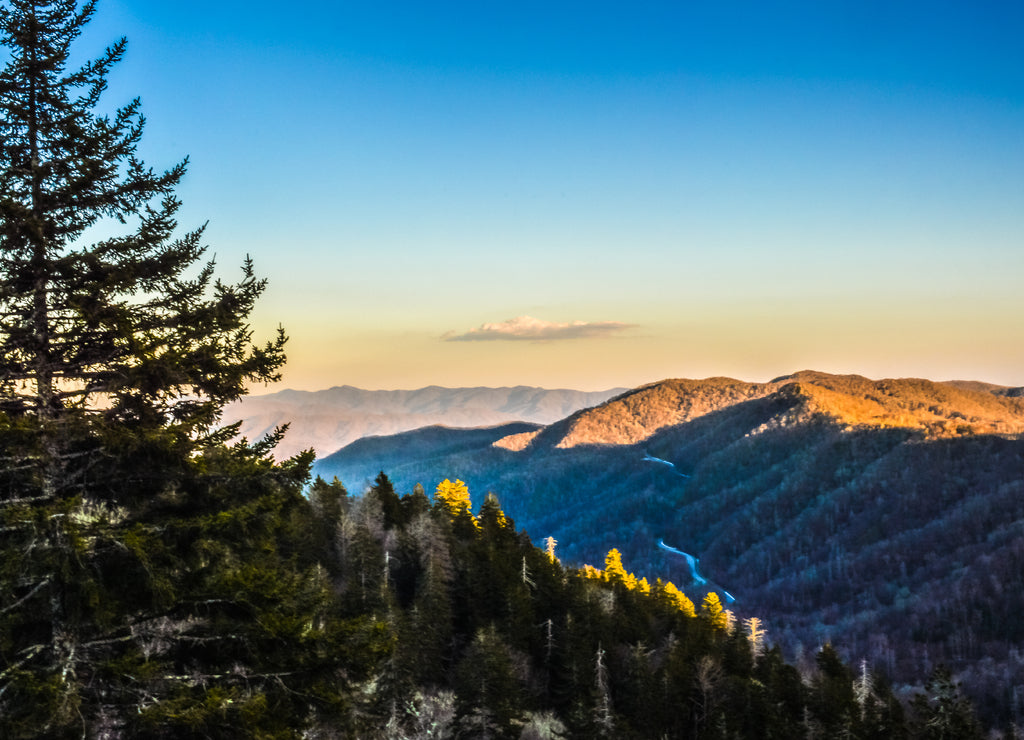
column 279, row 387
column 587, row 196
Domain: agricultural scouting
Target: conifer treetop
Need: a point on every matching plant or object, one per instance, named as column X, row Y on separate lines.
column 133, row 327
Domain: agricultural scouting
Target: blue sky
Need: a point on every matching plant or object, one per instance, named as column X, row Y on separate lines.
column 740, row 189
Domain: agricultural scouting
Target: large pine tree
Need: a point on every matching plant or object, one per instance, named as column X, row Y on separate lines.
column 154, row 579
column 132, row 324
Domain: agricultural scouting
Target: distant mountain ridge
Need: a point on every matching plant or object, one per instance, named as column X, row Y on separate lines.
column 327, row 420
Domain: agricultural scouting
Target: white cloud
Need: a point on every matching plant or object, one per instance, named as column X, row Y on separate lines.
column 527, row 328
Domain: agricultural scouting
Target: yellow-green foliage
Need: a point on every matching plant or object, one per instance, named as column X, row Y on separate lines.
column 453, row 496
column 614, row 572
column 712, row 610
column 678, row 599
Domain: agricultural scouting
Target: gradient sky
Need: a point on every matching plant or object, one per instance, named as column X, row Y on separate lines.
column 665, row 189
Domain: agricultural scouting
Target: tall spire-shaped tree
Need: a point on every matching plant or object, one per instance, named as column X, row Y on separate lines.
column 132, row 327
column 149, row 573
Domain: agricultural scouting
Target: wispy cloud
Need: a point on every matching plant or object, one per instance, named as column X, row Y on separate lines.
column 527, row 328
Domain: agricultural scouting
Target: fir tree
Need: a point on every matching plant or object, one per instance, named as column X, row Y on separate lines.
column 941, row 713
column 488, row 693
column 124, row 320
column 154, row 581
column 832, row 703
column 711, row 609
column 390, row 503
column 614, row 572
column 452, row 498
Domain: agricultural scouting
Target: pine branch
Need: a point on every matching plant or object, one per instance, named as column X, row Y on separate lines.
column 29, row 499
column 39, row 586
column 30, row 653
column 195, row 677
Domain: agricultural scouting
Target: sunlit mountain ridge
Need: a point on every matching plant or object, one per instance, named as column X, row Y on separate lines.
column 936, row 408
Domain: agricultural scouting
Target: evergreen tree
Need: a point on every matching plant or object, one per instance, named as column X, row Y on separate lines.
column 832, row 702
column 415, row 503
column 614, row 571
column 941, row 713
column 154, row 581
column 329, row 503
column 711, row 609
column 785, row 694
column 390, row 503
column 431, row 611
column 488, row 693
column 132, row 328
column 882, row 714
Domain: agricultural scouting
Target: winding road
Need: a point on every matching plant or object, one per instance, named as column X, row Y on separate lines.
column 696, row 577
column 649, row 458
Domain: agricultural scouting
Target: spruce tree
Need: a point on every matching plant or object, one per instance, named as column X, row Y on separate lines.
column 133, row 327
column 155, row 581
column 941, row 712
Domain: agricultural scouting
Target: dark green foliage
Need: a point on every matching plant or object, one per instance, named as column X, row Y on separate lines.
column 832, row 705
column 203, row 612
column 390, row 503
column 489, row 694
column 495, row 639
column 492, row 638
column 132, row 328
column 154, row 580
column 942, row 713
column 882, row 715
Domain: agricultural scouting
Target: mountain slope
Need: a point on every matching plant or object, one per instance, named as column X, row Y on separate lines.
column 885, row 515
column 412, row 454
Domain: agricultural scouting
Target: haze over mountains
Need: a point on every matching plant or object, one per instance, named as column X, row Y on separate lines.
column 884, row 515
column 328, row 420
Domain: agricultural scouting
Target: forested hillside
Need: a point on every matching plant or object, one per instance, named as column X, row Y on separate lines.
column 884, row 516
column 493, row 637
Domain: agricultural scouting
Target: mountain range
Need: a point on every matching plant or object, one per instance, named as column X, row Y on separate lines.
column 327, row 420
column 886, row 516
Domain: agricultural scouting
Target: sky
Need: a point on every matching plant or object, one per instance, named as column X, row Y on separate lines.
column 597, row 194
